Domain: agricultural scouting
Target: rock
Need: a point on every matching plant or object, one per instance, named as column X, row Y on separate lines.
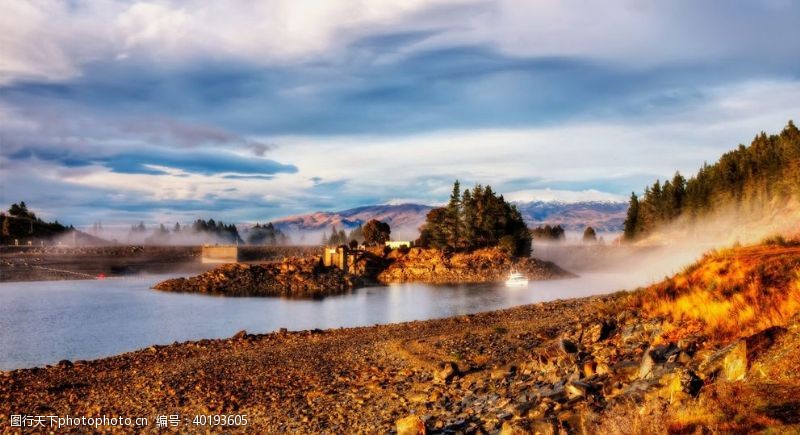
column 589, row 368
column 239, row 335
column 543, row 427
column 503, row 372
column 555, row 393
column 510, row 428
column 411, row 425
column 567, row 346
column 626, row 369
column 576, row 389
column 729, row 362
column 678, row 385
column 652, row 356
column 598, row 331
column 445, row 372
column 647, row 365
column 734, row 365
column 65, row 363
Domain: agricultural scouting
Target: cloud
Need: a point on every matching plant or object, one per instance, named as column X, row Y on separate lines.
column 296, row 105
column 54, row 40
column 154, row 161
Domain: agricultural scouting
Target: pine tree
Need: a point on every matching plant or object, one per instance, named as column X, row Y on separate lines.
column 453, row 217
column 632, row 220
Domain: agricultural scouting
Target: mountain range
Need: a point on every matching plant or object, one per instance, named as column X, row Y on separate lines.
column 405, row 219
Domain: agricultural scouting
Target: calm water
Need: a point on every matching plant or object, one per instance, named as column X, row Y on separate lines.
column 44, row 322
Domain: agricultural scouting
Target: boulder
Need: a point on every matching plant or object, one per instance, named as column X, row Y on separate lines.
column 445, row 371
column 411, row 425
column 598, row 331
column 677, row 386
column 729, row 363
column 544, row 427
column 510, row 428
column 576, row 389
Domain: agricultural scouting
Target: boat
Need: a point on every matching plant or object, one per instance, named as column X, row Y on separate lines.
column 516, row 279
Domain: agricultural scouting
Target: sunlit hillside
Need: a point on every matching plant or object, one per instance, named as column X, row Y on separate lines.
column 730, row 293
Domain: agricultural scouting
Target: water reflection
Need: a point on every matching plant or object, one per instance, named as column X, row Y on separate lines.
column 44, row 322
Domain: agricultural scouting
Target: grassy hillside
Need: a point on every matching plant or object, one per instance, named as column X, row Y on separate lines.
column 729, row 293
column 738, row 311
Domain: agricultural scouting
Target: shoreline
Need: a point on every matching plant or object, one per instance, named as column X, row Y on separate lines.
column 599, row 364
column 292, row 365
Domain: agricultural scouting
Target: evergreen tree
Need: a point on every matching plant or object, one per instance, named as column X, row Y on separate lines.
column 376, row 232
column 589, row 235
column 482, row 214
column 748, row 178
column 453, row 217
column 632, row 223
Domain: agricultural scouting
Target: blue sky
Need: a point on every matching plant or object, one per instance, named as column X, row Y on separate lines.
column 168, row 111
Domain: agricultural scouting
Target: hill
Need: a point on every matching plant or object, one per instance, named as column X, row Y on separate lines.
column 402, row 215
column 607, row 216
column 405, row 219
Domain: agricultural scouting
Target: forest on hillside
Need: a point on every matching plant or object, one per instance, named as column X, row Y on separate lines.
column 747, row 178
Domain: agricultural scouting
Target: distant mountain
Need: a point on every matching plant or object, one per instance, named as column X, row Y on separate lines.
column 575, row 216
column 405, row 219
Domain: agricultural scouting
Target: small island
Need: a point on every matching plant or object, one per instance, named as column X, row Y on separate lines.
column 477, row 237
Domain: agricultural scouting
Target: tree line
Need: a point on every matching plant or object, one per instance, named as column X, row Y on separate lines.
column 749, row 176
column 475, row 219
column 267, row 234
column 550, row 233
column 373, row 233
column 22, row 224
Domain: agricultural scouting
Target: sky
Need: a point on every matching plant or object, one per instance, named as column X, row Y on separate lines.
column 165, row 111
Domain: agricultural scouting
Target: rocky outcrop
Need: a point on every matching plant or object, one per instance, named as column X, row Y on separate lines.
column 484, row 265
column 305, row 277
column 292, row 277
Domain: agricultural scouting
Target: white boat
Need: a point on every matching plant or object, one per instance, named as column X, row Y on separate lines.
column 516, row 279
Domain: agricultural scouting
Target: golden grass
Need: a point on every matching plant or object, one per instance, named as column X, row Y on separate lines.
column 728, row 294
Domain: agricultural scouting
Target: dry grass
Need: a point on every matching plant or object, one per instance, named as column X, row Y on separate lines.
column 728, row 294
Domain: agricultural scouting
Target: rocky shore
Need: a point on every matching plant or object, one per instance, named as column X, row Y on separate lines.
column 483, row 265
column 622, row 363
column 300, row 277
column 577, row 366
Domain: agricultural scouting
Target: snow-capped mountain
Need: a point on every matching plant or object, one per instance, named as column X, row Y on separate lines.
column 575, row 216
column 405, row 219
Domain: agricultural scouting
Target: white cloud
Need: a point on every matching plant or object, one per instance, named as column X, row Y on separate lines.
column 29, row 47
column 571, row 153
column 52, row 39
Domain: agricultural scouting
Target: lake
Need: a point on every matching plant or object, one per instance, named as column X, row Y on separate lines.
column 44, row 322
